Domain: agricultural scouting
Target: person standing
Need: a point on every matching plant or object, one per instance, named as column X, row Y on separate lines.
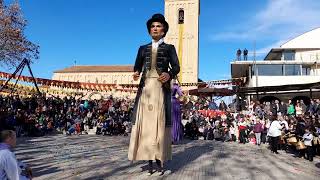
column 238, row 55
column 298, row 108
column 177, row 128
column 245, row 54
column 283, row 108
column 151, row 116
column 232, row 131
column 223, row 106
column 257, row 129
column 291, row 110
column 10, row 168
column 303, row 107
column 8, row 164
column 312, row 107
column 242, row 130
column 307, row 140
column 274, row 133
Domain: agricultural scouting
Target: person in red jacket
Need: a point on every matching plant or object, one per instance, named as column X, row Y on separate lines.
column 242, row 130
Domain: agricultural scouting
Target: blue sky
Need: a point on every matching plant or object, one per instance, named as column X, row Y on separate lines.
column 103, row 32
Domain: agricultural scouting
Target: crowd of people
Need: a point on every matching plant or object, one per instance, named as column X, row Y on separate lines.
column 294, row 127
column 274, row 122
column 37, row 116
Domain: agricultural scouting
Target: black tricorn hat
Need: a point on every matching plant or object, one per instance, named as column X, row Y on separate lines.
column 158, row 18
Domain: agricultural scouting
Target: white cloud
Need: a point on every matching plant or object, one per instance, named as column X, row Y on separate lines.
column 279, row 20
column 266, row 49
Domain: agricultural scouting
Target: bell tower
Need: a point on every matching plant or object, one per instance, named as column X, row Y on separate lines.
column 183, row 19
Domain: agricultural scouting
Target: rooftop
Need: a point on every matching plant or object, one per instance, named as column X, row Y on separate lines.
column 96, row 69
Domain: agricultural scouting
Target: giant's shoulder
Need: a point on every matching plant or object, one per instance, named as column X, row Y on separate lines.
column 163, row 45
column 168, row 45
column 145, row 45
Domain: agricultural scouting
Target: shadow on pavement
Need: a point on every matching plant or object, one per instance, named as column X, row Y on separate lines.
column 96, row 157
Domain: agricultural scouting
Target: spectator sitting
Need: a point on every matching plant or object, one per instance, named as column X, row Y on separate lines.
column 99, row 127
column 208, row 133
column 213, row 105
column 78, row 128
column 71, row 130
column 105, row 128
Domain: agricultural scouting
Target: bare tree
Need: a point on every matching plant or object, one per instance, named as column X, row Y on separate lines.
column 14, row 46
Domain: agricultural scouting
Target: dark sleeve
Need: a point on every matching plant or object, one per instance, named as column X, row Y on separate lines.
column 174, row 62
column 139, row 61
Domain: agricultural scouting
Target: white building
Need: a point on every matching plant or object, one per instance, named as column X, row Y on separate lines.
column 295, row 62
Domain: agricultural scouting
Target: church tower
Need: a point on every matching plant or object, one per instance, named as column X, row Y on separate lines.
column 183, row 19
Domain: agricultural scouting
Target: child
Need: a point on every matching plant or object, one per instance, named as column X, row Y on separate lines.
column 232, row 132
column 307, row 139
column 78, row 128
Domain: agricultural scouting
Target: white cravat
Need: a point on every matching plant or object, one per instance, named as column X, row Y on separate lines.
column 156, row 44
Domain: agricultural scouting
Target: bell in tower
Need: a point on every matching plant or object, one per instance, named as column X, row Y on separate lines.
column 183, row 19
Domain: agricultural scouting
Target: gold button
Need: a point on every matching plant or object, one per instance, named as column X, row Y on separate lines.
column 150, row 107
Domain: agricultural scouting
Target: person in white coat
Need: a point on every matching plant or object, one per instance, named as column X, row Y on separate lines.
column 274, row 134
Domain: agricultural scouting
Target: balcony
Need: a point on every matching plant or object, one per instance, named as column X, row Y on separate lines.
column 281, row 80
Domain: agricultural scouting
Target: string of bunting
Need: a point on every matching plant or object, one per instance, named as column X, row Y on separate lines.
column 27, row 89
column 74, row 85
column 110, row 87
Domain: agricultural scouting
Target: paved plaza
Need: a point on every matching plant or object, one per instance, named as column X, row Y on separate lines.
column 105, row 157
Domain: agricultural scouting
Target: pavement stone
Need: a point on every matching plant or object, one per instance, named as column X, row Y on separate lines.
column 92, row 157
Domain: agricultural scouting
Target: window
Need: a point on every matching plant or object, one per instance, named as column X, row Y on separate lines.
column 269, row 70
column 252, row 70
column 288, row 55
column 292, row 69
column 306, row 70
column 181, row 16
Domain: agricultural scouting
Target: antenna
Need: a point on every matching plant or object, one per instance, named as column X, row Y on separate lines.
column 254, row 50
column 255, row 66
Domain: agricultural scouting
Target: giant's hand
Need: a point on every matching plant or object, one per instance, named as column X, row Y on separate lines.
column 29, row 172
column 164, row 77
column 136, row 76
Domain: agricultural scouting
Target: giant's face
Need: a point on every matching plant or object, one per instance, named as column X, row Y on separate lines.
column 156, row 30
